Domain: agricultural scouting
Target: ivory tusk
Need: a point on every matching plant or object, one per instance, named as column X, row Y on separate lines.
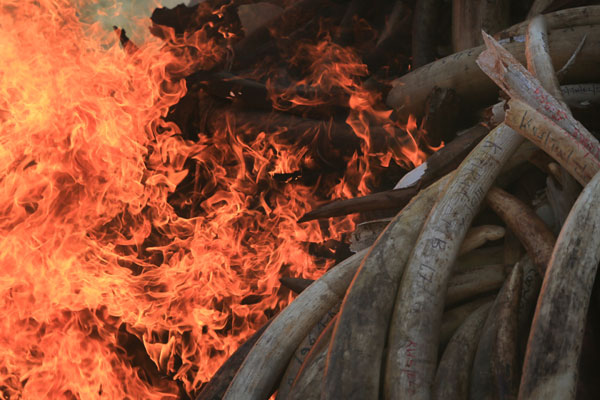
column 308, row 382
column 540, row 64
column 356, row 351
column 217, row 385
column 581, row 93
column 269, row 357
column 550, row 368
column 538, row 7
column 532, row 281
column 455, row 317
column 483, row 384
column 533, row 233
column 513, row 249
column 519, row 84
column 471, row 284
column 460, row 72
column 302, row 351
column 505, row 353
column 477, row 236
column 452, row 376
column 562, row 197
column 569, row 18
column 476, row 258
column 416, row 320
column 579, row 160
column 538, row 58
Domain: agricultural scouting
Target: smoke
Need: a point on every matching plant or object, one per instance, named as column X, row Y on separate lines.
column 131, row 15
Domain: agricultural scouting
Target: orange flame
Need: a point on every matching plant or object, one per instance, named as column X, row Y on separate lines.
column 106, row 291
column 338, row 71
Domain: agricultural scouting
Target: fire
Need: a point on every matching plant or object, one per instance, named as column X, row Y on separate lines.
column 112, row 286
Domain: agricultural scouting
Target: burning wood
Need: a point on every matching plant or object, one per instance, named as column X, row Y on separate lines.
column 166, row 195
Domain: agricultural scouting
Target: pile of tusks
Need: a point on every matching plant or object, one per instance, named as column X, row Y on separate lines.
column 392, row 321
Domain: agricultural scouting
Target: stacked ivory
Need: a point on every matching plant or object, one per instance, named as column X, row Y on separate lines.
column 380, row 325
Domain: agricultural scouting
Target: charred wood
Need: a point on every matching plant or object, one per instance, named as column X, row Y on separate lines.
column 253, row 94
column 442, row 116
column 247, row 51
column 213, row 16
